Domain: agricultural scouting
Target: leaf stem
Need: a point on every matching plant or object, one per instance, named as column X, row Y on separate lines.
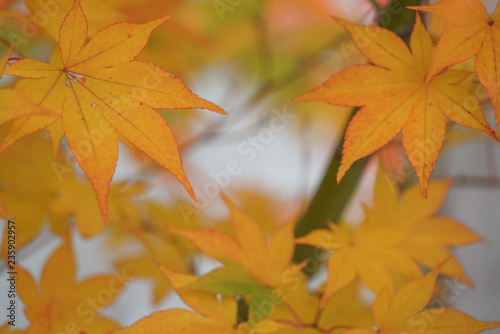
column 292, row 312
column 331, row 329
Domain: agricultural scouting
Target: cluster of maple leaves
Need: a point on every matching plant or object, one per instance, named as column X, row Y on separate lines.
column 94, row 94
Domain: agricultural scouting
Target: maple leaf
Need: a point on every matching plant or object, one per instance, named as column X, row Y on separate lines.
column 144, row 266
column 432, row 235
column 160, row 246
column 13, row 104
column 253, row 266
column 213, row 316
column 55, row 195
column 404, row 312
column 473, row 33
column 396, row 236
column 59, row 303
column 263, row 208
column 75, row 198
column 98, row 91
column 367, row 253
column 7, row 328
column 23, row 186
column 249, row 249
column 395, row 96
column 99, row 13
column 304, row 314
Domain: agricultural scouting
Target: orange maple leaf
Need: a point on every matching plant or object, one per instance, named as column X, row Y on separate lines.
column 98, row 92
column 404, row 312
column 59, row 303
column 12, row 103
column 396, row 97
column 473, row 33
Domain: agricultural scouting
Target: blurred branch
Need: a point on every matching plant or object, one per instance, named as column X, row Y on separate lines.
column 470, row 181
column 215, row 131
column 375, row 5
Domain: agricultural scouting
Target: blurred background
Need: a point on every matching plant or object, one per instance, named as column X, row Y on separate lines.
column 251, row 58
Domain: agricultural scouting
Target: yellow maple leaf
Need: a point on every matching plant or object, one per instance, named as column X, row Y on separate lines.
column 59, row 304
column 160, row 245
column 300, row 310
column 76, row 199
column 396, row 236
column 250, row 248
column 13, row 104
column 168, row 250
column 23, row 186
column 432, row 235
column 472, row 33
column 395, row 96
column 98, row 91
column 405, row 312
column 49, row 15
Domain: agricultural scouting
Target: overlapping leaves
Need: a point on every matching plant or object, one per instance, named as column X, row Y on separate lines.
column 399, row 94
column 396, row 236
column 99, row 94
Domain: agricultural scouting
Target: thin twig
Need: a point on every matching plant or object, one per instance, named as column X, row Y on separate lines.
column 470, row 181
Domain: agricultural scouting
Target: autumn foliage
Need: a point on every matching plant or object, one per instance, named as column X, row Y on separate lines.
column 93, row 74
